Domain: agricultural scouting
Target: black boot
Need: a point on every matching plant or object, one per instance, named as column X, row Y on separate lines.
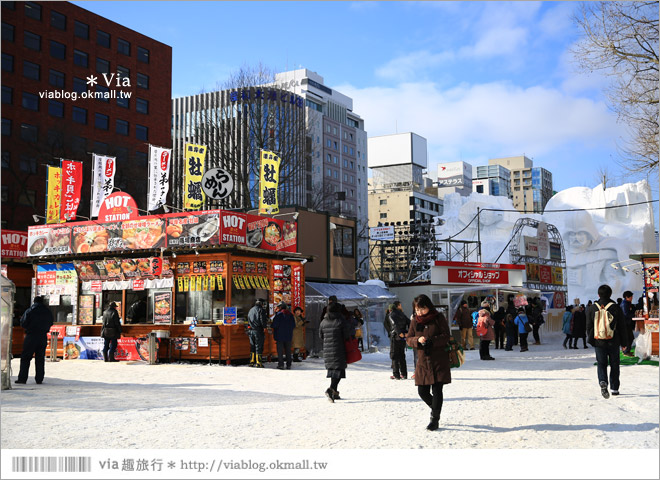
column 330, row 394
column 296, row 357
column 435, row 418
column 335, row 395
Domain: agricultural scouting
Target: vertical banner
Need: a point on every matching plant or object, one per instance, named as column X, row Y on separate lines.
column 71, row 185
column 195, row 156
column 54, row 195
column 270, row 178
column 159, row 176
column 103, row 180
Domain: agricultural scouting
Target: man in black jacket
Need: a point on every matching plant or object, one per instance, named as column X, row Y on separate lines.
column 36, row 321
column 628, row 314
column 257, row 323
column 607, row 349
column 111, row 332
column 400, row 324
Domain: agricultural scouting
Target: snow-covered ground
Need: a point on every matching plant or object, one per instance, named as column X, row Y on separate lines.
column 546, row 398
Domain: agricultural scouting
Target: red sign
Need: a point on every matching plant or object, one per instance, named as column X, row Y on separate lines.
column 46, row 278
column 164, row 157
column 117, row 207
column 129, row 348
column 233, row 228
column 545, row 274
column 96, row 286
column 156, row 266
column 465, row 275
column 60, row 329
column 271, row 234
column 496, row 266
column 296, row 282
column 138, row 284
column 71, row 183
column 109, row 167
column 14, row 244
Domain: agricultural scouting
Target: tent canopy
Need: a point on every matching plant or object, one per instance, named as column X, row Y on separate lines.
column 347, row 292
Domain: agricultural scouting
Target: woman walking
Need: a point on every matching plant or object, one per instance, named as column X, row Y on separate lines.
column 429, row 333
column 520, row 321
column 484, row 340
column 579, row 326
column 334, row 331
column 566, row 326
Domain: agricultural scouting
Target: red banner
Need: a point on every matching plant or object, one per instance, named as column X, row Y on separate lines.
column 296, row 283
column 545, row 274
column 464, row 275
column 71, row 184
column 14, row 244
column 129, row 348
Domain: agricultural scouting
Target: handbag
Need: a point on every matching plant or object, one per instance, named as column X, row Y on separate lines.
column 528, row 327
column 456, row 355
column 352, row 351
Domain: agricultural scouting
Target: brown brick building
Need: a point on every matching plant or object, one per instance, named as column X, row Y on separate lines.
column 49, row 50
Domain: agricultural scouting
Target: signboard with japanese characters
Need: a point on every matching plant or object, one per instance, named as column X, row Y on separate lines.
column 531, row 246
column 381, row 233
column 555, row 251
column 193, row 229
column 194, row 157
column 103, row 180
column 271, row 234
column 269, row 182
column 71, row 184
column 159, row 176
column 54, row 195
column 233, row 228
column 543, row 240
column 14, row 244
column 217, row 183
column 557, row 275
column 116, row 207
column 545, row 274
column 456, row 275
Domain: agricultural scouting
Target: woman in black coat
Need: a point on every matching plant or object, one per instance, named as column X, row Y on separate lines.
column 334, row 331
column 579, row 326
column 111, row 332
column 429, row 333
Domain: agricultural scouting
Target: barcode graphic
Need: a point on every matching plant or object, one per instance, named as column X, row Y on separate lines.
column 51, row 464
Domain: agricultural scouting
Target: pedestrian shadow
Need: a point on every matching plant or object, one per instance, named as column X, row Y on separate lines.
column 554, row 427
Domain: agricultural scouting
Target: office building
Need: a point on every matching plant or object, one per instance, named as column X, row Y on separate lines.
column 491, row 180
column 531, row 187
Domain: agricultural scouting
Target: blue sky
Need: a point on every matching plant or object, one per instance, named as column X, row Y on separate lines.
column 478, row 80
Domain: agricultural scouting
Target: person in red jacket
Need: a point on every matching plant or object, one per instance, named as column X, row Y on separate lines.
column 484, row 343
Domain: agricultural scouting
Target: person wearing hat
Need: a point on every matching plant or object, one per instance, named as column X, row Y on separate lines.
column 110, row 332
column 463, row 319
column 36, row 321
column 257, row 321
column 283, row 325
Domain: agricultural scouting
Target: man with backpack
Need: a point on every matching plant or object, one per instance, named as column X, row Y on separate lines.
column 606, row 332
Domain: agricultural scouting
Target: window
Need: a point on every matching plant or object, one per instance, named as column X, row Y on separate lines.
column 141, row 132
column 101, row 147
column 57, row 50
column 123, row 102
column 334, row 159
column 345, row 177
column 79, row 85
column 5, row 159
column 103, row 38
column 6, row 127
column 104, row 93
column 383, row 201
column 9, row 5
column 480, row 189
column 345, row 163
column 102, row 66
column 29, row 133
column 352, row 164
column 141, row 158
column 7, row 32
column 56, row 78
column 57, row 20
column 343, row 240
column 80, row 58
column 142, row 55
column 336, row 174
column 30, row 101
column 123, row 46
column 55, row 139
column 55, row 108
column 79, row 144
column 345, row 148
column 352, row 151
column 122, row 127
column 329, row 158
column 27, row 197
column 336, row 147
column 5, row 196
column 31, row 70
column 33, row 10
column 122, row 154
column 329, row 170
column 7, row 95
column 32, row 41
column 102, row 122
column 80, row 115
column 7, row 62
column 142, row 80
column 142, row 105
column 123, row 72
column 329, row 143
column 81, row 30
column 334, row 130
column 28, row 164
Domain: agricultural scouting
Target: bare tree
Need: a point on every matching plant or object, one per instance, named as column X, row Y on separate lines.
column 621, row 39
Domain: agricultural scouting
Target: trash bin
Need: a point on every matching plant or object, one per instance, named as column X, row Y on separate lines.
column 8, row 292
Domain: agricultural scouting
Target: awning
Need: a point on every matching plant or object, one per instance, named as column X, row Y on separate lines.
column 345, row 292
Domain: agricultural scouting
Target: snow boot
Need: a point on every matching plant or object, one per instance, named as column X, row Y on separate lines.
column 252, row 360
column 258, row 363
column 435, row 419
column 330, row 394
column 335, row 395
column 603, row 390
column 296, row 355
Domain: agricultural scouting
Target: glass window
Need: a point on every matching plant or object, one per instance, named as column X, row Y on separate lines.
column 142, row 55
column 335, row 160
column 80, row 115
column 29, row 133
column 32, row 41
column 343, row 241
column 123, row 46
column 123, row 102
column 6, row 127
column 5, row 159
column 142, row 105
column 102, row 65
column 81, row 30
column 329, row 143
column 336, row 148
column 141, row 132
column 33, row 10
column 31, row 70
column 7, row 32
column 123, row 72
column 122, row 127
column 104, row 93
column 54, row 138
column 79, row 144
column 141, row 158
column 329, row 172
column 27, row 197
column 336, row 173
column 7, row 62
column 102, row 122
column 103, row 38
column 79, row 85
column 9, row 5
column 101, row 147
column 30, row 101
column 7, row 95
column 55, row 108
column 345, row 148
column 329, row 158
column 57, row 50
column 383, row 201
column 27, row 164
column 80, row 58
column 142, row 80
column 57, row 20
column 56, row 78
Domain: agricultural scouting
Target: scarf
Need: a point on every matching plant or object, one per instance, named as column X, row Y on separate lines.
column 424, row 319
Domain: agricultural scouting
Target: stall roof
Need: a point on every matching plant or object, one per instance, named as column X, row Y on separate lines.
column 508, row 288
column 345, row 292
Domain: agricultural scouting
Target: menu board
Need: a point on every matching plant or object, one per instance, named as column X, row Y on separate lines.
column 86, row 310
column 199, row 267
column 216, row 266
column 271, row 234
column 187, row 229
column 237, row 266
column 281, row 284
column 162, row 308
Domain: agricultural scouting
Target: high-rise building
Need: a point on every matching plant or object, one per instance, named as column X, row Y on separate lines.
column 454, row 177
column 74, row 83
column 531, row 186
column 491, row 180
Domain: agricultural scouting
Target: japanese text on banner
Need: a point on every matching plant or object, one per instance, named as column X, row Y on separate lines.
column 103, row 180
column 54, row 196
column 159, row 176
column 71, row 184
column 270, row 176
column 195, row 156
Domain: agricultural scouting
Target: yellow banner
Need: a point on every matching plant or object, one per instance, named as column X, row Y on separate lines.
column 199, row 284
column 193, row 197
column 186, row 281
column 241, row 282
column 265, row 283
column 235, row 279
column 220, row 285
column 205, row 283
column 179, row 281
column 54, row 195
column 212, row 282
column 269, row 182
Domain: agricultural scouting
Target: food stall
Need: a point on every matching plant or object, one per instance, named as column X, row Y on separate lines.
column 647, row 318
column 193, row 270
